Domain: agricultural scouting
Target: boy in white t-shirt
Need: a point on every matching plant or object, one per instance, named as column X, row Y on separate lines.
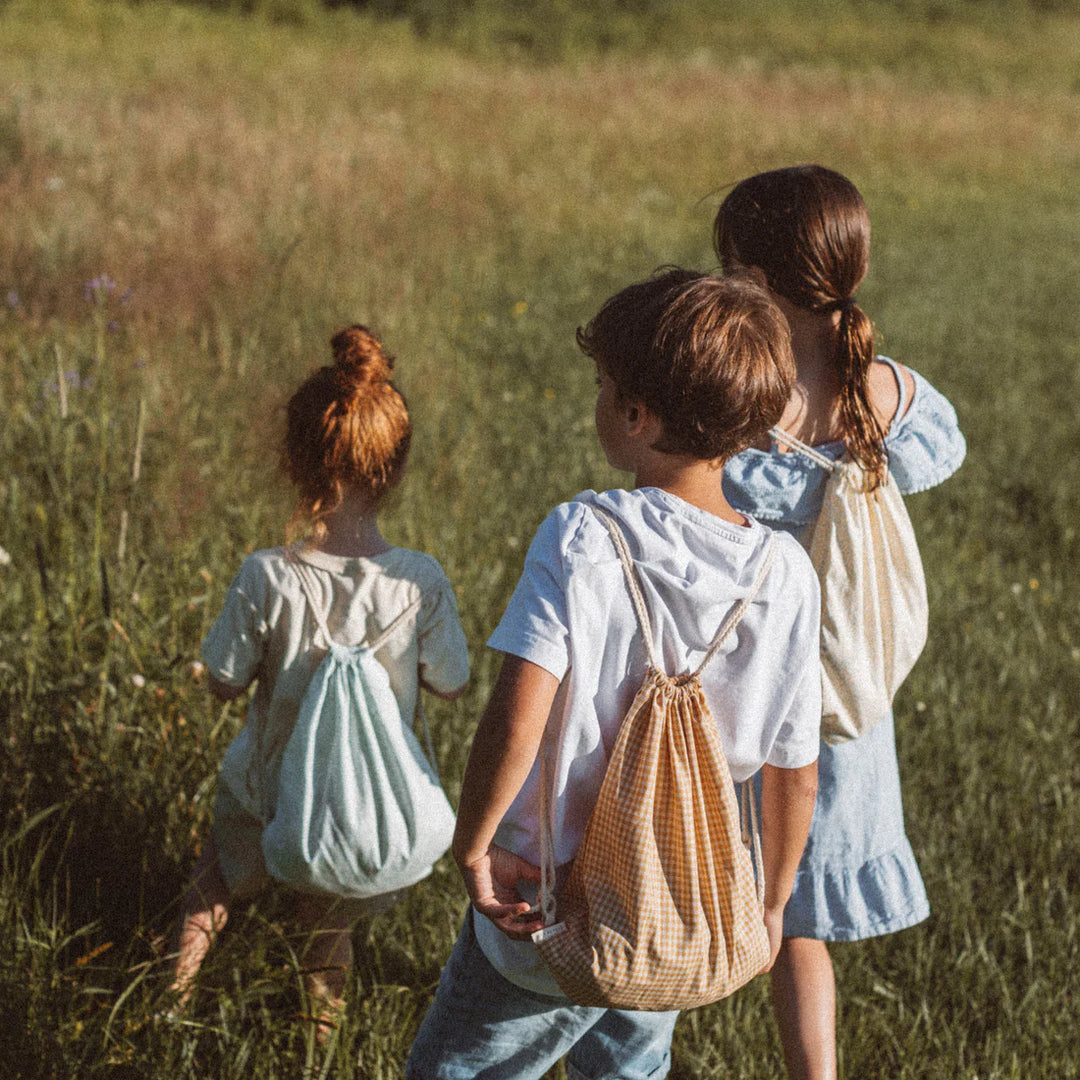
column 691, row 370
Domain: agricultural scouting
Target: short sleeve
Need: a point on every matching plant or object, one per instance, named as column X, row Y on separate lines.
column 798, row 741
column 535, row 623
column 444, row 653
column 925, row 445
column 234, row 647
column 798, row 738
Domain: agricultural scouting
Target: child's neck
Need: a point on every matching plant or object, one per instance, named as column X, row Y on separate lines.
column 695, row 482
column 812, row 412
column 352, row 530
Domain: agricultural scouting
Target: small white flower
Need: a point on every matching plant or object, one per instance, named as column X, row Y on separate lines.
column 5, row 558
column 198, row 669
column 138, row 681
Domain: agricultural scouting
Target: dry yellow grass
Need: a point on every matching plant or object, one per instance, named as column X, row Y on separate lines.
column 190, row 167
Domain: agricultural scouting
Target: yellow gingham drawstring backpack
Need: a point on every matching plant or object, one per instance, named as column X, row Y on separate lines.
column 660, row 909
column 873, row 594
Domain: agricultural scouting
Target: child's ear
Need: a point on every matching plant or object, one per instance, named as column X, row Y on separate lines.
column 635, row 413
column 642, row 421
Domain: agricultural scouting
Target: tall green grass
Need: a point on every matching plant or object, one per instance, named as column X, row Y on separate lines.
column 192, row 201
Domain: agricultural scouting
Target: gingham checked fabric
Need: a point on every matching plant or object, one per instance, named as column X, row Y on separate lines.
column 661, row 909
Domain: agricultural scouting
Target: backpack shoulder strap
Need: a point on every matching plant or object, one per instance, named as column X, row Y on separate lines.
column 308, row 589
column 319, row 616
column 632, row 583
column 385, row 635
column 733, row 619
column 807, row 451
column 734, row 616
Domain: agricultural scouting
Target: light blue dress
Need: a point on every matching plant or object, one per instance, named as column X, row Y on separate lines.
column 858, row 877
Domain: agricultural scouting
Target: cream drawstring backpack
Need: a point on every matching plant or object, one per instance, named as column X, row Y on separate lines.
column 873, row 594
column 360, row 810
column 660, row 910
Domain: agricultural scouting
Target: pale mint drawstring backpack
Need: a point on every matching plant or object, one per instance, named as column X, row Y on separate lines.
column 360, row 810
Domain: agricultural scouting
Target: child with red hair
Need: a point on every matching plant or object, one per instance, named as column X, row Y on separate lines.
column 346, row 444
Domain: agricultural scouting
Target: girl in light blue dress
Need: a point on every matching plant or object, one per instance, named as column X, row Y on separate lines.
column 804, row 232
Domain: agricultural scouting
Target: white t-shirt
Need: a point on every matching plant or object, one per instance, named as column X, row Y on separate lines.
column 266, row 632
column 571, row 614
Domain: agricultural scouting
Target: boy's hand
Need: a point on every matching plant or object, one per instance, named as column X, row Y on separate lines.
column 492, row 884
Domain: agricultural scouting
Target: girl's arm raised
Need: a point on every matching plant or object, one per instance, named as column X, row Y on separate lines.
column 503, row 751
column 787, row 806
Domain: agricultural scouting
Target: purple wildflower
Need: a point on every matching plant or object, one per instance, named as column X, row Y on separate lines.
column 98, row 288
column 74, row 381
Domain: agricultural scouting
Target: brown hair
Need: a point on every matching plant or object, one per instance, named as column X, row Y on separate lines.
column 347, row 426
column 711, row 357
column 807, row 229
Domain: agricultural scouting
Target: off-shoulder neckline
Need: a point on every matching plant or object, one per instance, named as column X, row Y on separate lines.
column 837, row 445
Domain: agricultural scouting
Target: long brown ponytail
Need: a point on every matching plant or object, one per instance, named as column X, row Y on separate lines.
column 807, row 229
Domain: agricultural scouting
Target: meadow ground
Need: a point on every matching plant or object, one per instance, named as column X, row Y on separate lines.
column 190, row 203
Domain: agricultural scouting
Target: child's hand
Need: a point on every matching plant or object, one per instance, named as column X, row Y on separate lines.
column 492, row 884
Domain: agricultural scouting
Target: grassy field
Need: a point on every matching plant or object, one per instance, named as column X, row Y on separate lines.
column 191, row 203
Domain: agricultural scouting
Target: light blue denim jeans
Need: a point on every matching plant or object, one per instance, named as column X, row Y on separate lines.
column 482, row 1027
